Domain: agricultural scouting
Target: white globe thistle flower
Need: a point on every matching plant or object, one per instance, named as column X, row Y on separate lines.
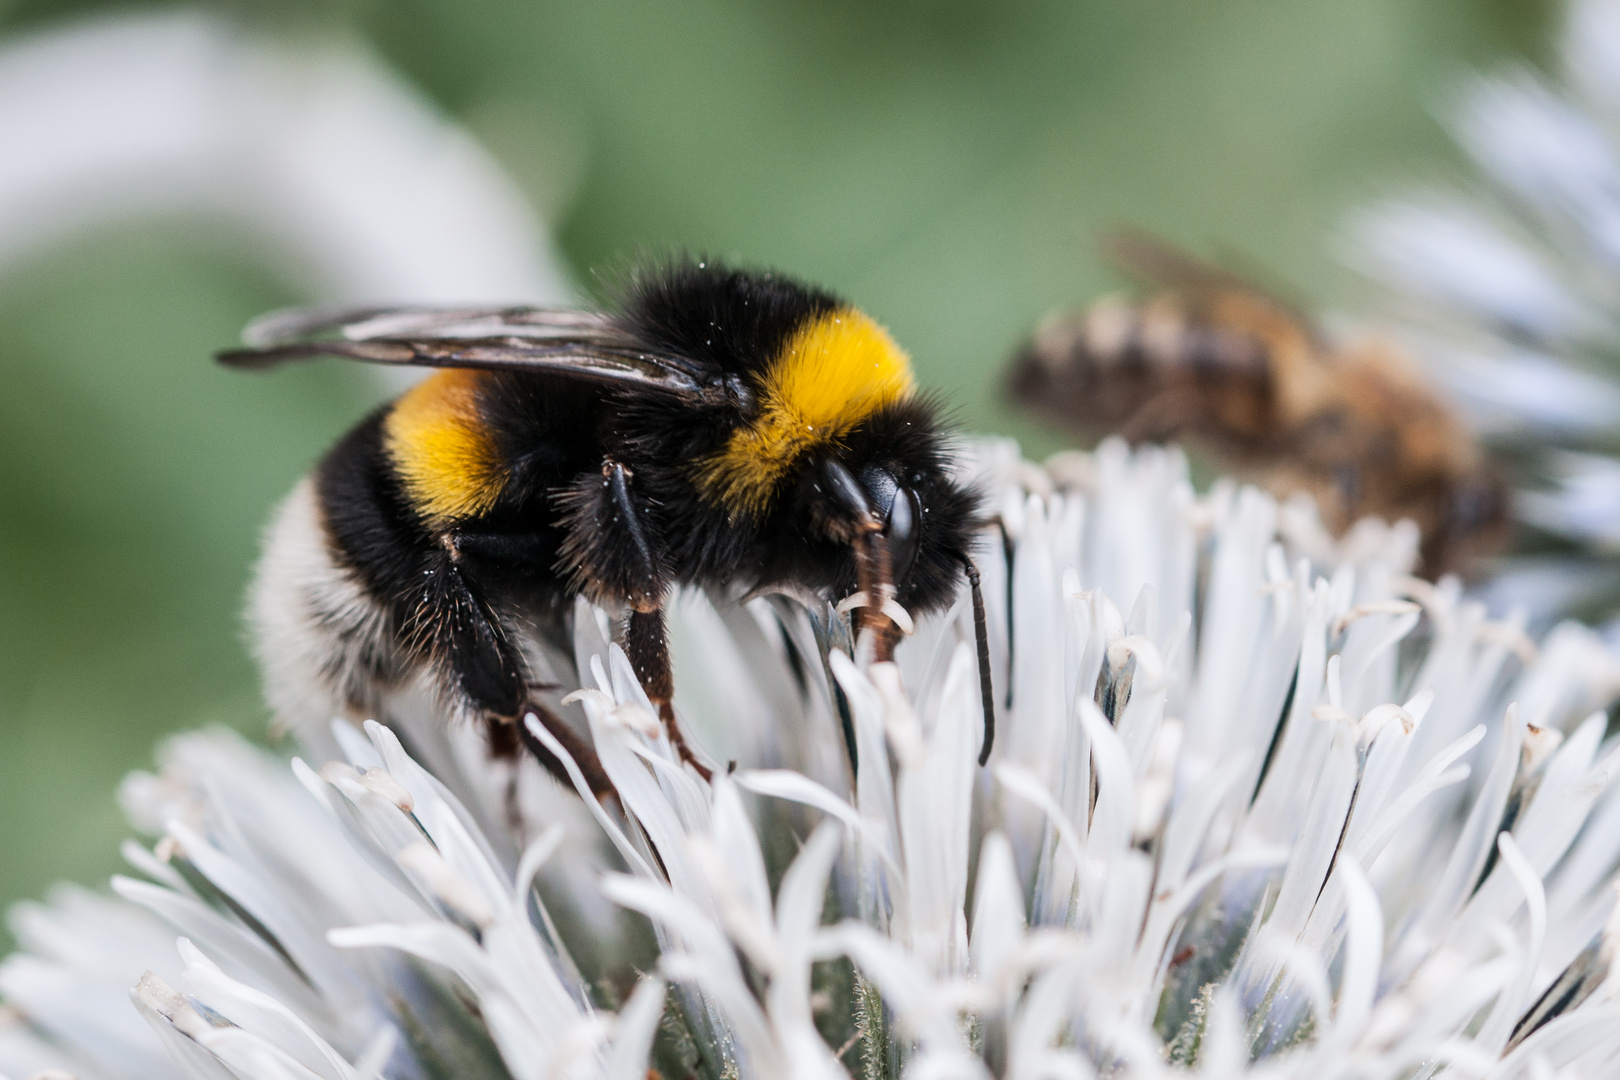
column 1258, row 805
column 1508, row 285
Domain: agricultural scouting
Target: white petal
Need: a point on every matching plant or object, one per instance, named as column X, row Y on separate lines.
column 633, row 1035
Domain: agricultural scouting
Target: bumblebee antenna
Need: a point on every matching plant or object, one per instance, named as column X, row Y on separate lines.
column 832, row 632
column 981, row 639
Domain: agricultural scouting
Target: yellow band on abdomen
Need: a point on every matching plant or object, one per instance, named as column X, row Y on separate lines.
column 441, row 448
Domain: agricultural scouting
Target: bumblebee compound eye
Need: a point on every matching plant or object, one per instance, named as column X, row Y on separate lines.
column 900, row 510
column 880, row 487
column 847, row 496
column 901, row 531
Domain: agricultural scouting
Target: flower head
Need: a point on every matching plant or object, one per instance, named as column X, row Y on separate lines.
column 1259, row 804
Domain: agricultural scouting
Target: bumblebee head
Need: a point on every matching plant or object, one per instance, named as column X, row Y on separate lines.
column 893, row 476
column 830, row 462
column 832, row 446
column 890, row 509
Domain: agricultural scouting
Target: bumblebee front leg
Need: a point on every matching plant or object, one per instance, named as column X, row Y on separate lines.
column 855, row 522
column 617, row 554
column 874, row 577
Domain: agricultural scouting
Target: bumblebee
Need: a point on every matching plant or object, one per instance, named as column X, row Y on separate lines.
column 1246, row 378
column 737, row 431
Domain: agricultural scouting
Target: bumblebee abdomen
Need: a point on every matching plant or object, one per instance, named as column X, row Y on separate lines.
column 327, row 645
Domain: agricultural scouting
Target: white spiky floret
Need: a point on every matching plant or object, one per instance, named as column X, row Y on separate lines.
column 1249, row 813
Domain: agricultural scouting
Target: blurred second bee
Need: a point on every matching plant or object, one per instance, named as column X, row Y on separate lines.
column 1203, row 356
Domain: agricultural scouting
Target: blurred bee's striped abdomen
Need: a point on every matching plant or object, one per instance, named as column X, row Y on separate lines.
column 1158, row 370
column 1247, row 380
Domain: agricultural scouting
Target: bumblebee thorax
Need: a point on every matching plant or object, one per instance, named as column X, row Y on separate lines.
column 833, row 372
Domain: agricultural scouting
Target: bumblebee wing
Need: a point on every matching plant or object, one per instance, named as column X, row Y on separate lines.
column 305, row 324
column 572, row 344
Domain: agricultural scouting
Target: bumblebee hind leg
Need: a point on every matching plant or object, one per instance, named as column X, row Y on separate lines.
column 504, row 741
column 475, row 653
column 590, row 766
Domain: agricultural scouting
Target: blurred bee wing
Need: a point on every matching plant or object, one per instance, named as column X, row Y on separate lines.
column 571, row 344
column 1154, row 262
column 1151, row 260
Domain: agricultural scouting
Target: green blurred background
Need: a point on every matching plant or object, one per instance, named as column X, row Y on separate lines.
column 945, row 163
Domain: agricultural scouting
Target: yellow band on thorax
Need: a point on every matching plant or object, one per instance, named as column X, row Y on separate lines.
column 442, row 449
column 835, row 371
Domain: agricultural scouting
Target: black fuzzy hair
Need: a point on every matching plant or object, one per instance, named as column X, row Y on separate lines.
column 715, row 315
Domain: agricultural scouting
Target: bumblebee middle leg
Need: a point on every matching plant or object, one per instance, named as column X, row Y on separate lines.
column 647, row 646
column 590, row 766
column 617, row 554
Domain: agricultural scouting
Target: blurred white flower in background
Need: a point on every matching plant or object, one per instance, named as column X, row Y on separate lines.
column 1510, row 287
column 1249, row 813
column 312, row 152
